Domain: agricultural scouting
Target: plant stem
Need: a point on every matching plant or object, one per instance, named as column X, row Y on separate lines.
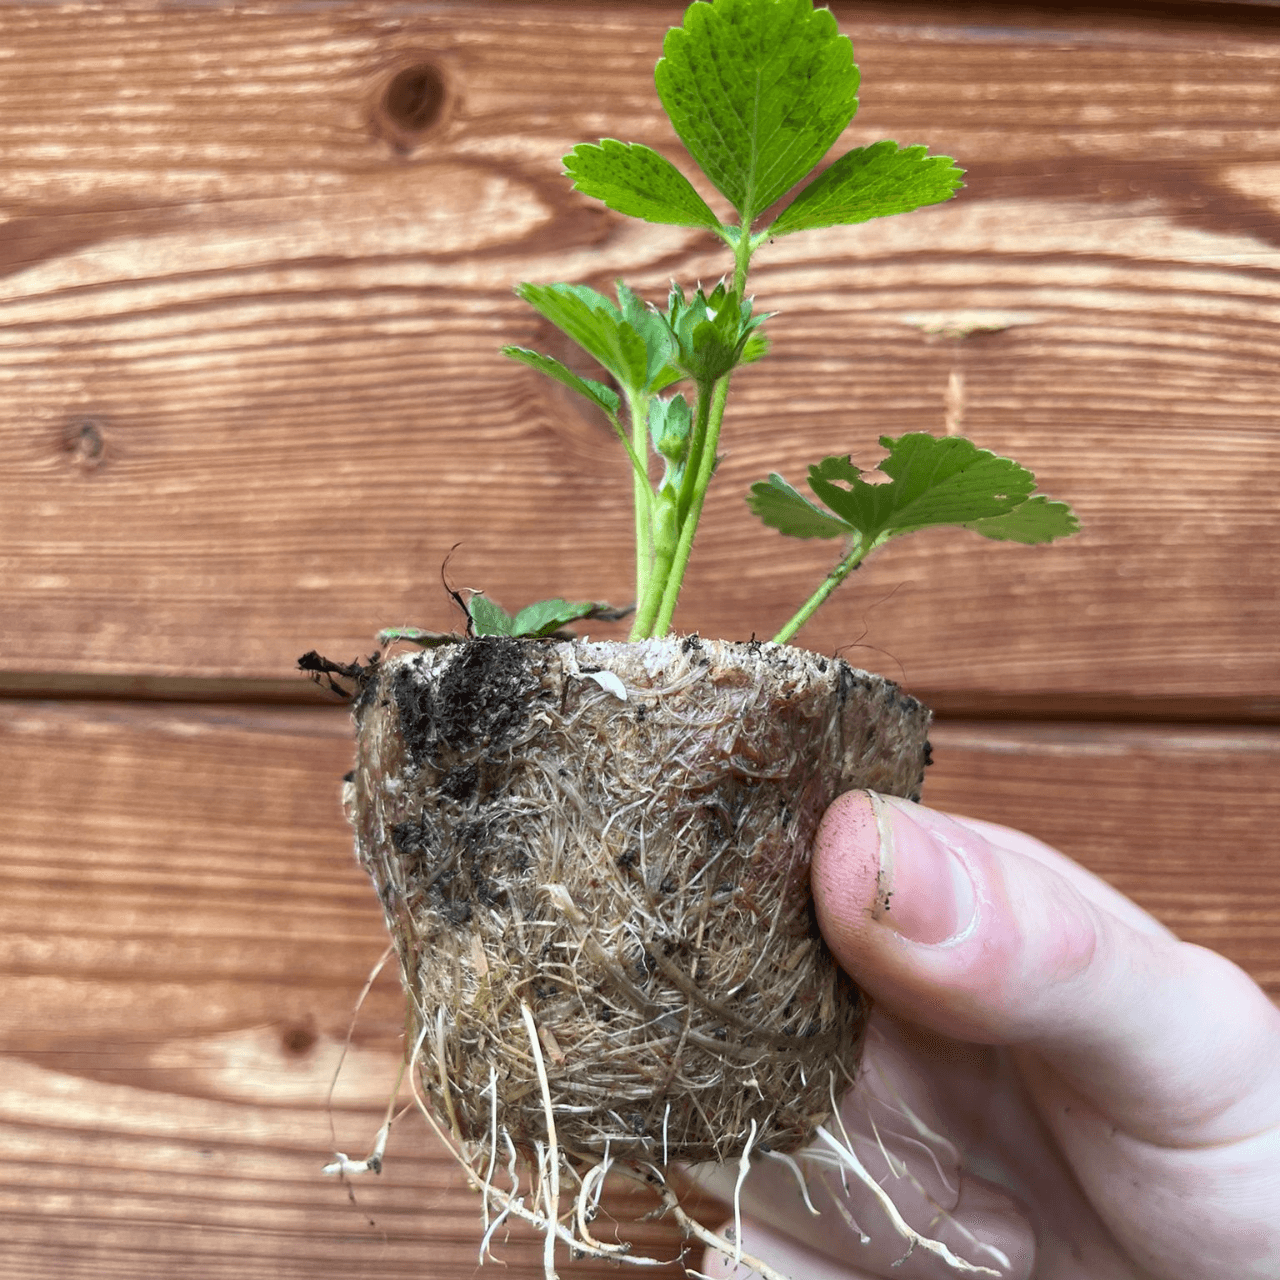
column 689, row 524
column 669, row 520
column 642, row 492
column 742, row 262
column 697, row 442
column 666, row 530
column 657, row 608
column 837, row 575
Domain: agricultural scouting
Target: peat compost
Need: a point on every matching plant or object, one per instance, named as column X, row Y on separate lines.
column 614, row 839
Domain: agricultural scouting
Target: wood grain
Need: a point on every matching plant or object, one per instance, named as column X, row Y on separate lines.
column 185, row 936
column 184, row 933
column 249, row 326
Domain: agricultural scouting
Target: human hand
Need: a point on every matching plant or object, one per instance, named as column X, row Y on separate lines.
column 1054, row 1086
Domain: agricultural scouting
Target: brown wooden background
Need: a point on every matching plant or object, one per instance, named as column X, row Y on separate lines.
column 250, row 304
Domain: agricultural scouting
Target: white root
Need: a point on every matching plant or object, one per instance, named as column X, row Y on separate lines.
column 695, row 1230
column 799, row 1176
column 544, row 1213
column 509, row 1204
column 744, row 1168
column 849, row 1157
column 552, row 1182
column 342, row 1164
column 372, row 1163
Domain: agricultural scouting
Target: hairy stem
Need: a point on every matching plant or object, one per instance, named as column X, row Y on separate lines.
column 689, row 524
column 666, row 533
column 699, row 467
column 742, row 261
column 837, row 575
column 642, row 492
column 697, row 443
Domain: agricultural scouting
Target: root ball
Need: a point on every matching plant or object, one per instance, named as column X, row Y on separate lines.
column 615, row 838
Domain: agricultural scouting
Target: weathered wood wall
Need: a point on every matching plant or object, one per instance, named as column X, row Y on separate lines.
column 251, row 303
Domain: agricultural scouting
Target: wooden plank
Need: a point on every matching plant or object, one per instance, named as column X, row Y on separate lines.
column 250, row 315
column 183, row 934
column 1180, row 819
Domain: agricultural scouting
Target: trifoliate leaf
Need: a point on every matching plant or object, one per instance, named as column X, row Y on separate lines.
column 603, row 397
column 758, row 93
column 1037, row 520
column 488, row 618
column 936, row 480
column 870, row 182
column 782, row 508
column 596, row 325
column 636, row 180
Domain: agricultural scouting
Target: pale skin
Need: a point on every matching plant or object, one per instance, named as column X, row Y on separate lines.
column 1055, row 1087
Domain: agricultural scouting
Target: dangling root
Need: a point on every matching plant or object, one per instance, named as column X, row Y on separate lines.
column 849, row 1159
column 342, row 1164
column 542, row 1211
column 540, row 1207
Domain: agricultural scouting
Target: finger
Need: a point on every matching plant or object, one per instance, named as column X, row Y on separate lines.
column 1097, row 890
column 952, row 930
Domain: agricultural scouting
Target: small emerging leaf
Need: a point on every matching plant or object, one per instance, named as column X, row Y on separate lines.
column 755, row 348
column 601, row 396
column 488, row 618
column 636, row 180
column 547, row 616
column 630, row 341
column 870, row 182
column 758, row 93
column 535, row 621
column 669, row 424
column 782, row 508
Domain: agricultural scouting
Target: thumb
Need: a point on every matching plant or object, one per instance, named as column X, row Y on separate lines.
column 985, row 935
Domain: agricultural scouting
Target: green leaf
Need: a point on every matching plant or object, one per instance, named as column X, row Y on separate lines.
column 601, row 396
column 1039, row 519
column 670, row 422
column 755, row 348
column 935, row 480
column 636, row 180
column 660, row 372
column 758, row 93
column 488, row 618
column 547, row 616
column 416, row 635
column 596, row 325
column 782, row 508
column 870, row 182
column 534, row 621
column 710, row 333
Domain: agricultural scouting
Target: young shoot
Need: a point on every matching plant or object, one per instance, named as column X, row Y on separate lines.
column 758, row 91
